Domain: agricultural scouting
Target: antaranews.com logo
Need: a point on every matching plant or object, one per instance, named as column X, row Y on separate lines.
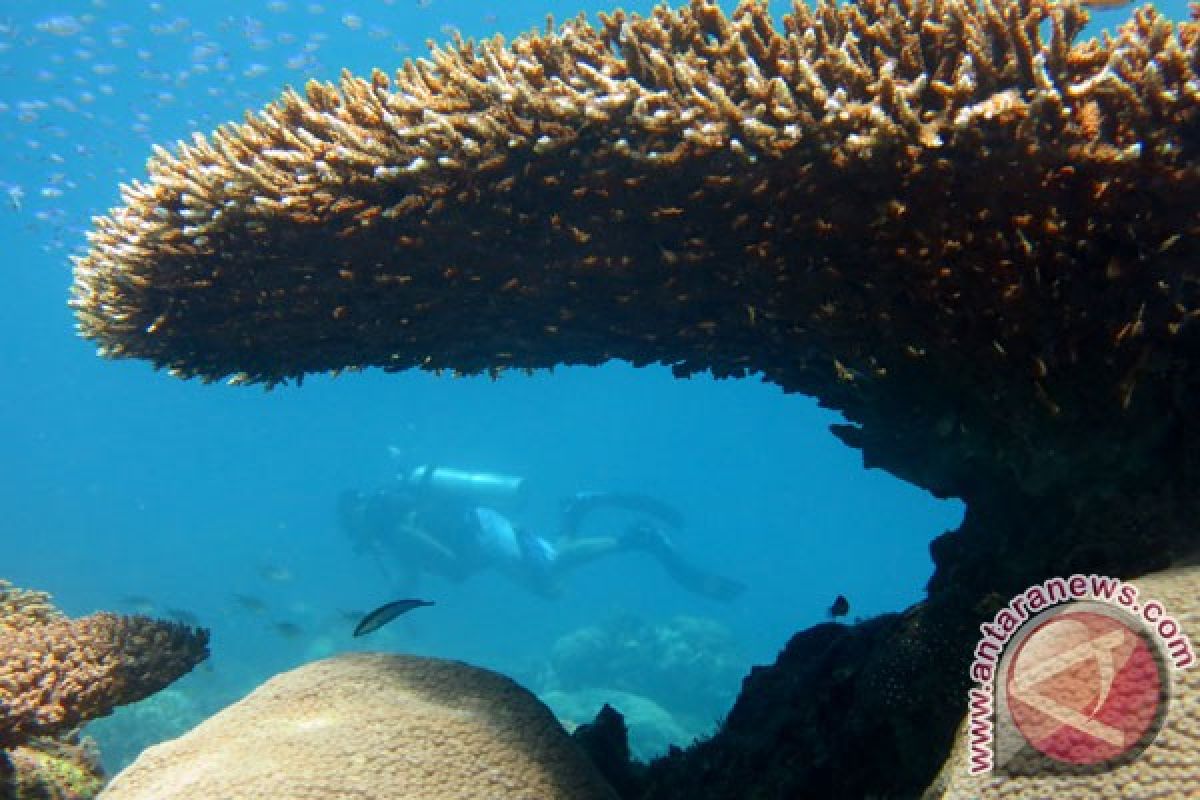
column 1072, row 677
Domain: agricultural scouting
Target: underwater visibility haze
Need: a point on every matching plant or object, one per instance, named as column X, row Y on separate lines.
column 125, row 489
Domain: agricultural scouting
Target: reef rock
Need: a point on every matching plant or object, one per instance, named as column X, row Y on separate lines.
column 372, row 726
column 652, row 730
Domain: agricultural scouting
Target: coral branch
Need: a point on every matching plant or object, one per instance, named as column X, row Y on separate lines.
column 57, row 672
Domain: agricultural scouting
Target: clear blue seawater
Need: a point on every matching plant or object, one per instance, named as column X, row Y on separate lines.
column 125, row 489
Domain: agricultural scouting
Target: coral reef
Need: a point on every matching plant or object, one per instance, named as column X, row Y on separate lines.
column 46, row 768
column 131, row 729
column 372, row 726
column 58, row 672
column 651, row 729
column 973, row 235
column 797, row 724
column 1167, row 769
column 688, row 665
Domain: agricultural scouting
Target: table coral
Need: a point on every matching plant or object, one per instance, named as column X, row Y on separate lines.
column 948, row 220
column 57, row 672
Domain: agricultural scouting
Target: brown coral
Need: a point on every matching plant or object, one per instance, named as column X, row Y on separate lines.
column 849, row 204
column 58, row 672
column 372, row 726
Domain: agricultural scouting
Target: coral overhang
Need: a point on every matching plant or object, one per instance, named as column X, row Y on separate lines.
column 948, row 220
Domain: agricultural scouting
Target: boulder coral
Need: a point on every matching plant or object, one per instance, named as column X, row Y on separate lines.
column 689, row 665
column 56, row 672
column 372, row 726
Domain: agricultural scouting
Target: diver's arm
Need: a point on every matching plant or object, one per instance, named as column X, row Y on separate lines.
column 425, row 541
column 434, row 555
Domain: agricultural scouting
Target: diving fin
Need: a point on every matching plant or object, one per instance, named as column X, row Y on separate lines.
column 582, row 504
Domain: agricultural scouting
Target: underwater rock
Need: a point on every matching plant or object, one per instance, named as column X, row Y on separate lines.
column 371, row 726
column 798, row 723
column 652, row 729
column 58, row 672
column 1168, row 768
column 606, row 741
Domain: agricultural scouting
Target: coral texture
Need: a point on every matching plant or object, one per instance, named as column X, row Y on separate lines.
column 1168, row 769
column 58, row 672
column 65, row 768
column 372, row 726
column 832, row 717
column 849, row 204
column 689, row 665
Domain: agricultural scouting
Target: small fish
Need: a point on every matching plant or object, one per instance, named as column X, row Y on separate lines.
column 139, row 603
column 288, row 630
column 250, row 603
column 274, row 573
column 840, row 607
column 183, row 617
column 386, row 613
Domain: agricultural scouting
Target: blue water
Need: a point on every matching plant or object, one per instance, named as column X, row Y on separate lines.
column 125, row 489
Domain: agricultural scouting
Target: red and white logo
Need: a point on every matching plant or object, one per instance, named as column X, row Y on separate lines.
column 1081, row 688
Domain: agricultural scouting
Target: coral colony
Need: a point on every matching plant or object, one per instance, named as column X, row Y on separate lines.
column 954, row 222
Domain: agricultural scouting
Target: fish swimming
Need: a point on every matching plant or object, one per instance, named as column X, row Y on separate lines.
column 288, row 630
column 381, row 616
column 183, row 617
column 249, row 602
column 274, row 573
column 840, row 607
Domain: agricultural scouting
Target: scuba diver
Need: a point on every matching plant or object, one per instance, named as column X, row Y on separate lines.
column 440, row 521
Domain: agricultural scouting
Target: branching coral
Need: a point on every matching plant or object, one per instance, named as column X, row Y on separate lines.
column 58, row 672
column 850, row 204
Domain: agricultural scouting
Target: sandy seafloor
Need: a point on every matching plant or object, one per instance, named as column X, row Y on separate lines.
column 125, row 489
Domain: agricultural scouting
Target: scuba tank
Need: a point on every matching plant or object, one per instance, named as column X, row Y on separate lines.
column 474, row 487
